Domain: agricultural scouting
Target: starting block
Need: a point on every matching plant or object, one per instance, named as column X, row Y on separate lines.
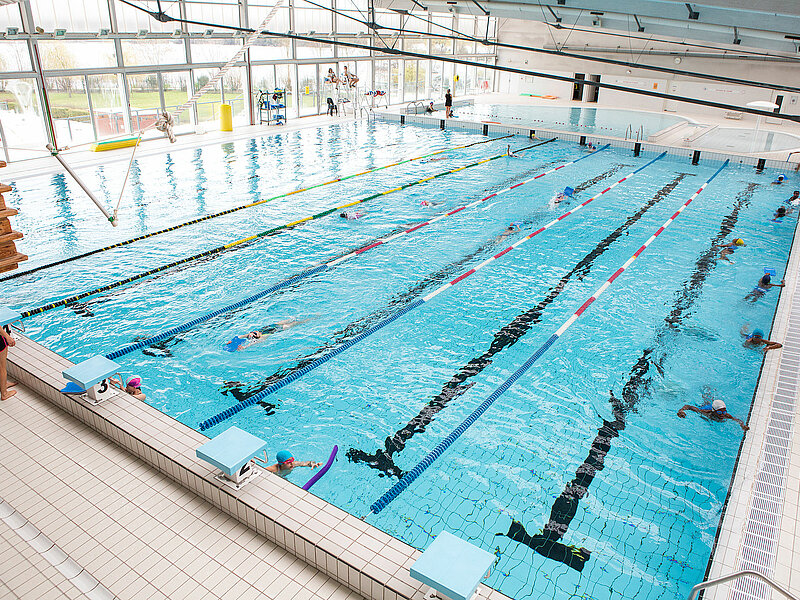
column 8, row 316
column 232, row 451
column 90, row 379
column 452, row 568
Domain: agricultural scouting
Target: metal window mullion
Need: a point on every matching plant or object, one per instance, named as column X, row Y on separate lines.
column 91, row 105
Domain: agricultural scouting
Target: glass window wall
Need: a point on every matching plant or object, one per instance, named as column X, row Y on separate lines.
column 69, row 107
column 78, row 54
column 153, row 52
column 105, row 92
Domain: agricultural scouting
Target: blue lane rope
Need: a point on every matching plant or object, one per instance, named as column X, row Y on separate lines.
column 409, row 477
column 228, row 413
column 175, row 330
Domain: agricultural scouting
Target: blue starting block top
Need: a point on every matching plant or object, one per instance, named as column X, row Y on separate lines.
column 452, row 566
column 90, row 371
column 8, row 316
column 231, row 449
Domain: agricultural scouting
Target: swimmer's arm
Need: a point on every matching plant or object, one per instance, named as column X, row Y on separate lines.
column 739, row 421
column 682, row 411
column 770, row 345
column 308, row 463
column 781, row 284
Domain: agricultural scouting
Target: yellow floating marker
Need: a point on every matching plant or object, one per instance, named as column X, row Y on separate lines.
column 115, row 144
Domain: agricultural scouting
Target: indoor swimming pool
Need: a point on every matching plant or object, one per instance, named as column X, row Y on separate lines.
column 590, row 121
column 737, row 139
column 581, row 478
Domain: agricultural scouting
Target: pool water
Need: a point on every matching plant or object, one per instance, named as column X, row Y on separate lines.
column 734, row 139
column 590, row 121
column 581, row 478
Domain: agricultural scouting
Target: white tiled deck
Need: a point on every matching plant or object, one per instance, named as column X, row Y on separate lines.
column 139, row 534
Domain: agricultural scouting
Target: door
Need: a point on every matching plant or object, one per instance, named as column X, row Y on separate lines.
column 577, row 87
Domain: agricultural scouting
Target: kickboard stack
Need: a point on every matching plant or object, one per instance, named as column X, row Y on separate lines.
column 9, row 257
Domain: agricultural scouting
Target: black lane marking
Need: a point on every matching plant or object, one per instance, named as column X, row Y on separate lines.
column 242, row 391
column 507, row 336
column 548, row 542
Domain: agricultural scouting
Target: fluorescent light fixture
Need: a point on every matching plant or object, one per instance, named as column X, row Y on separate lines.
column 11, row 31
column 59, row 33
column 142, row 33
column 208, row 32
column 177, row 33
column 103, row 32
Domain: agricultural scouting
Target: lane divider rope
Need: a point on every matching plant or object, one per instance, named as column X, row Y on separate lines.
column 411, row 475
column 231, row 411
column 315, row 270
column 238, row 208
column 228, row 246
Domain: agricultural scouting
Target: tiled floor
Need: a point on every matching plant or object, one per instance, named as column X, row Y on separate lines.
column 138, row 533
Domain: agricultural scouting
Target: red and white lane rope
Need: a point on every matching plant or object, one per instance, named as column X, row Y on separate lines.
column 460, row 208
column 415, row 472
column 530, row 236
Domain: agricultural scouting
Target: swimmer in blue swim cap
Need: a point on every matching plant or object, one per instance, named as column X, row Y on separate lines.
column 713, row 409
column 762, row 287
column 756, row 339
column 781, row 178
column 286, row 463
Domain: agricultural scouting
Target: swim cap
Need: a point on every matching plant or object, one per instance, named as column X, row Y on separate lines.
column 739, row 242
column 757, row 333
column 568, row 191
column 134, row 381
column 284, row 456
column 766, row 277
column 717, row 405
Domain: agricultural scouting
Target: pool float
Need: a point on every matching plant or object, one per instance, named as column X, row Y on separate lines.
column 323, row 470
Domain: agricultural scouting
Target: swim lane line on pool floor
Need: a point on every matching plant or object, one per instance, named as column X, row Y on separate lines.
column 238, row 208
column 271, row 231
column 231, row 411
column 440, row 448
column 322, row 268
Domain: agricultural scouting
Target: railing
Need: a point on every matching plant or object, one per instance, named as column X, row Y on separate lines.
column 640, row 133
column 726, row 578
column 414, row 103
column 629, row 131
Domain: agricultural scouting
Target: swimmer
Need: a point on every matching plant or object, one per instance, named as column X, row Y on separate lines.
column 794, row 200
column 429, row 109
column 756, row 339
column 713, row 409
column 429, row 203
column 779, row 214
column 723, row 255
column 565, row 195
column 734, row 243
column 590, row 147
column 514, row 226
column 781, row 178
column 254, row 337
column 762, row 286
column 510, row 153
column 132, row 387
column 352, row 215
column 286, row 463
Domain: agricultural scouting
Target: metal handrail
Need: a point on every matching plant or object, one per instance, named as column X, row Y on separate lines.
column 629, row 131
column 737, row 575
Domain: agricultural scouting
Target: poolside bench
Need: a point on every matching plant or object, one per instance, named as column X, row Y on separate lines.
column 232, row 451
column 90, row 379
column 452, row 568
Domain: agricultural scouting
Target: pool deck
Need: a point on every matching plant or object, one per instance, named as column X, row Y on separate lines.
column 116, row 486
column 120, row 491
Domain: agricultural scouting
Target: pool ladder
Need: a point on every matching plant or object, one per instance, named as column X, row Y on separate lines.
column 629, row 133
column 730, row 577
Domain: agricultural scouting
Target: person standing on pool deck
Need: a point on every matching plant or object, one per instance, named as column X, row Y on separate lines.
column 448, row 104
column 762, row 286
column 286, row 463
column 756, row 339
column 714, row 410
column 6, row 341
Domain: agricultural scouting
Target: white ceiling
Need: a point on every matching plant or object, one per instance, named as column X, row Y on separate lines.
column 763, row 24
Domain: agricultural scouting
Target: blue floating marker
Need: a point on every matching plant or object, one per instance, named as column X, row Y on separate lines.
column 568, row 191
column 770, row 271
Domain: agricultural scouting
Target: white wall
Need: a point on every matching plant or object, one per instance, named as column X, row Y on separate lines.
column 536, row 34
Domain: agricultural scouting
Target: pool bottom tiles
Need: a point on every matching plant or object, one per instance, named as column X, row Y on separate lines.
column 581, row 478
